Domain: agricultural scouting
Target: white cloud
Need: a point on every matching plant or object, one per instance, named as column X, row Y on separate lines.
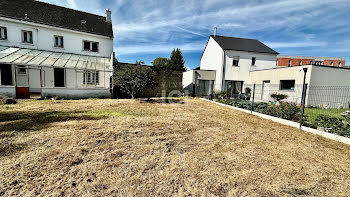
column 156, row 48
column 153, row 26
column 301, row 44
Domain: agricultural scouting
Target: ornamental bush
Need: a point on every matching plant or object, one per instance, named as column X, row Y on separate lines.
column 284, row 110
column 278, row 97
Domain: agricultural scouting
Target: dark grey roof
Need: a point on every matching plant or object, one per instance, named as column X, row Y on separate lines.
column 48, row 14
column 242, row 44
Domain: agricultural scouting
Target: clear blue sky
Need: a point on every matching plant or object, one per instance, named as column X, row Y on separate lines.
column 146, row 29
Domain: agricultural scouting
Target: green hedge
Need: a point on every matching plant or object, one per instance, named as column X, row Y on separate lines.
column 284, row 110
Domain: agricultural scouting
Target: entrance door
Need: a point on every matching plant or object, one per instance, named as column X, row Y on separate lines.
column 22, row 83
column 266, row 91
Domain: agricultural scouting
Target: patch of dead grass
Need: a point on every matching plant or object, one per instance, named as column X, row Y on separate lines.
column 133, row 148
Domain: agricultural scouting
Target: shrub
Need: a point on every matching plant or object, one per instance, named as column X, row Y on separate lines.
column 284, row 110
column 336, row 125
column 278, row 97
column 247, row 93
column 219, row 95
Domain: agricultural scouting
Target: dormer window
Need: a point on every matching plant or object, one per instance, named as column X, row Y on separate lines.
column 90, row 46
column 27, row 37
column 59, row 41
column 339, row 65
column 83, row 22
column 3, row 33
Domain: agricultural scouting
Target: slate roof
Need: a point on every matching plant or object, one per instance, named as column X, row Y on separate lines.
column 242, row 44
column 48, row 14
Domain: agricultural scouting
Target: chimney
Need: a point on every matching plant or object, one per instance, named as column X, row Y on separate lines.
column 215, row 29
column 108, row 15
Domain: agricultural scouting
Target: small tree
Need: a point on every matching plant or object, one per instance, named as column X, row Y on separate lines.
column 177, row 61
column 161, row 62
column 131, row 79
column 277, row 97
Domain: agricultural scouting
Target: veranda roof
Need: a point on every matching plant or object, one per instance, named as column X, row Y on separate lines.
column 32, row 57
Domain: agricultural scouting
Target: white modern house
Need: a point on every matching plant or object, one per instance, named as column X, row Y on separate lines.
column 230, row 61
column 233, row 64
column 54, row 51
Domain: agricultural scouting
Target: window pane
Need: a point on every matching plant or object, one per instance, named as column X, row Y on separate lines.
column 95, row 46
column 30, row 37
column 86, row 45
column 61, row 42
column 21, row 70
column 25, row 37
column 235, row 63
column 56, row 41
column 253, row 61
column 5, row 33
column 287, row 84
column 97, row 77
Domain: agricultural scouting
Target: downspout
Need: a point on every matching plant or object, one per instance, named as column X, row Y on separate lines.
column 37, row 38
column 223, row 71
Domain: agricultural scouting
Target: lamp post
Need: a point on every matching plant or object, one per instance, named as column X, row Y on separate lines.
column 303, row 98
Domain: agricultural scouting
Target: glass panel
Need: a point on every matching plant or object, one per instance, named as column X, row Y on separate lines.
column 86, row 45
column 95, row 47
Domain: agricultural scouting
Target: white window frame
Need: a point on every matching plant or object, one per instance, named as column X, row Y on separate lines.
column 3, row 33
column 29, row 37
column 60, row 41
column 237, row 59
column 91, row 77
column 318, row 62
column 91, row 42
column 284, row 89
column 18, row 70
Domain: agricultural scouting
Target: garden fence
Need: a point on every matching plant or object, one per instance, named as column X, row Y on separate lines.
column 325, row 107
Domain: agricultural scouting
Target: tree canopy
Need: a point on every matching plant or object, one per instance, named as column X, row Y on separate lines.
column 131, row 79
column 177, row 61
column 161, row 62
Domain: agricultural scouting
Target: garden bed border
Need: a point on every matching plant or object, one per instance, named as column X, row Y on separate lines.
column 324, row 134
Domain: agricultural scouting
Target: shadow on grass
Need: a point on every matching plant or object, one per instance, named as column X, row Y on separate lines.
column 163, row 101
column 13, row 122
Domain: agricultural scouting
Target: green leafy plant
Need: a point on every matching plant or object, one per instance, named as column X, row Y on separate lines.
column 284, row 110
column 247, row 93
column 278, row 97
column 336, row 125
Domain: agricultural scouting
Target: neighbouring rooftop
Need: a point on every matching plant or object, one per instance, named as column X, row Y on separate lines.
column 242, row 44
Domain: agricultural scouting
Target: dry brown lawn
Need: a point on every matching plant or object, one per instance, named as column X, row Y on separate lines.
column 133, row 148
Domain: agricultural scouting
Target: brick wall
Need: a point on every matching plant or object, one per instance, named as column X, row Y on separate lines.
column 295, row 62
